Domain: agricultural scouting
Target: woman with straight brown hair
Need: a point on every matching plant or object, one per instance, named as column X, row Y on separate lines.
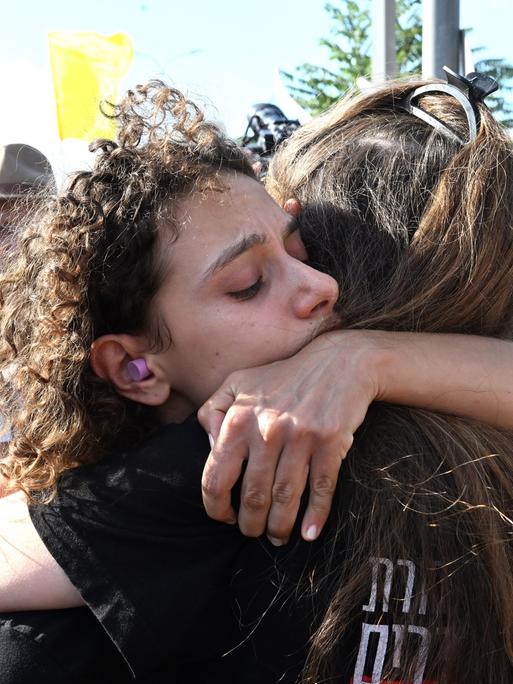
column 406, row 197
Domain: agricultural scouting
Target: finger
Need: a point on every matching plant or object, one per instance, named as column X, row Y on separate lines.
column 292, row 207
column 324, row 470
column 223, row 469
column 256, row 493
column 288, row 487
column 215, row 422
column 213, row 411
column 216, row 496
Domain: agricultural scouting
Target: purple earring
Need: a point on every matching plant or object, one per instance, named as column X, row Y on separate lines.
column 138, row 370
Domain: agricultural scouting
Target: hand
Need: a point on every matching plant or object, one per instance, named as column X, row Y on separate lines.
column 293, row 421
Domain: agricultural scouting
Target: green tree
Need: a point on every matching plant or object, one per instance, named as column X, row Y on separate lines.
column 498, row 102
column 349, row 49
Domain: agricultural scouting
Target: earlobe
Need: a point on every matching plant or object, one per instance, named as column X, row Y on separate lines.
column 111, row 356
column 293, row 207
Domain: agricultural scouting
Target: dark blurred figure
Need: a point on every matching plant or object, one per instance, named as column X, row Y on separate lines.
column 25, row 174
column 267, row 128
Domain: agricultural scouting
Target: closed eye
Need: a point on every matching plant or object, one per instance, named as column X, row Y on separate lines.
column 249, row 292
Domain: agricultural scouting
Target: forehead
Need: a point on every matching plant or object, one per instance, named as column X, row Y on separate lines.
column 207, row 221
column 243, row 201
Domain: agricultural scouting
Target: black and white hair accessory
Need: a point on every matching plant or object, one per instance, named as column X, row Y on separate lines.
column 469, row 90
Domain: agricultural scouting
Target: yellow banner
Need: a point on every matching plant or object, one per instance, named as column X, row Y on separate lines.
column 87, row 68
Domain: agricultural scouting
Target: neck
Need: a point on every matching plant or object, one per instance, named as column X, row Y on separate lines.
column 176, row 409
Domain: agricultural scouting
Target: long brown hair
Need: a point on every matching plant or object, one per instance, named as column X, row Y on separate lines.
column 418, row 230
column 89, row 265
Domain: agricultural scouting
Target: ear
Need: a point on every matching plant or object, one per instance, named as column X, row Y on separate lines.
column 110, row 355
column 293, row 207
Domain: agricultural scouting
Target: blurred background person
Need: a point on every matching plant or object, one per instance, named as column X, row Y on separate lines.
column 25, row 174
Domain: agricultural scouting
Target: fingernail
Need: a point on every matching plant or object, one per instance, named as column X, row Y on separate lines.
column 275, row 541
column 211, row 440
column 311, row 533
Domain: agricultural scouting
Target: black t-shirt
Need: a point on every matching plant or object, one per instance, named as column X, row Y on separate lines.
column 58, row 646
column 132, row 535
column 187, row 599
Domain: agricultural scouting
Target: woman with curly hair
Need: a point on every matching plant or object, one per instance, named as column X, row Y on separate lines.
column 169, row 257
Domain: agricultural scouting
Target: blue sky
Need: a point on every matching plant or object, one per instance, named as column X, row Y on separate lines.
column 226, row 53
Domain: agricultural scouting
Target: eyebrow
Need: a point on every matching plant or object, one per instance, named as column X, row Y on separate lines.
column 242, row 245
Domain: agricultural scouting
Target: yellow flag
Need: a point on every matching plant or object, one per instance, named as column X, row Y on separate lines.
column 86, row 69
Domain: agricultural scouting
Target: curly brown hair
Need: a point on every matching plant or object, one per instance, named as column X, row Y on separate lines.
column 87, row 265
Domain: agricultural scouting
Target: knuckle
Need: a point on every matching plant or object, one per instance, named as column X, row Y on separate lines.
column 302, row 431
column 280, row 525
column 279, row 530
column 250, row 530
column 323, row 486
column 337, row 445
column 255, row 500
column 237, row 420
column 218, row 515
column 271, row 430
column 283, row 493
column 271, row 422
column 331, row 430
column 323, row 432
column 211, row 485
column 300, row 425
column 346, row 444
column 203, row 414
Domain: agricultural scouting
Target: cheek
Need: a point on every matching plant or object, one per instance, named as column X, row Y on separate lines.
column 218, row 341
column 211, row 341
column 232, row 347
column 250, row 344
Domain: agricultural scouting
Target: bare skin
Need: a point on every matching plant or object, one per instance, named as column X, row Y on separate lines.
column 294, row 420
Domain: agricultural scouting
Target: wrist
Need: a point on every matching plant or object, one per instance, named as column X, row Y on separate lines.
column 382, row 358
column 366, row 354
column 400, row 365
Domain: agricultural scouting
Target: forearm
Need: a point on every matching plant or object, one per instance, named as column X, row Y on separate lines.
column 464, row 375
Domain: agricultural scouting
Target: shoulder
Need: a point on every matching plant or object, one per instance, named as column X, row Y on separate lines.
column 156, row 485
column 169, row 460
column 181, row 446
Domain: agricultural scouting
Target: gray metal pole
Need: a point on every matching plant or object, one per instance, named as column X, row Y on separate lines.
column 440, row 36
column 383, row 40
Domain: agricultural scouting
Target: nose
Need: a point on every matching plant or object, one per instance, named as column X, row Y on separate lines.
column 317, row 293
